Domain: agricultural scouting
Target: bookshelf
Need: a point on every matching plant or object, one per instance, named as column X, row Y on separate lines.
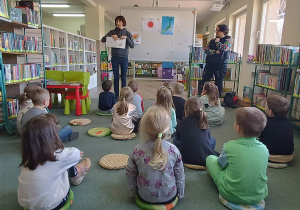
column 196, row 67
column 21, row 54
column 146, row 68
column 65, row 51
column 275, row 71
column 106, row 65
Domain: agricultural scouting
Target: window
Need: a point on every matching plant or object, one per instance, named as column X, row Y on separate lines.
column 272, row 21
column 240, row 26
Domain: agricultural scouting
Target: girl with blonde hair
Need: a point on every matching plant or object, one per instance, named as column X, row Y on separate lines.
column 192, row 136
column 155, row 172
column 164, row 99
column 124, row 113
column 211, row 104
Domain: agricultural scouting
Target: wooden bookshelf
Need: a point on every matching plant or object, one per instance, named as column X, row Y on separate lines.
column 21, row 53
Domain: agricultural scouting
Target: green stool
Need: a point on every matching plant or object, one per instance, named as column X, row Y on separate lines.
column 147, row 206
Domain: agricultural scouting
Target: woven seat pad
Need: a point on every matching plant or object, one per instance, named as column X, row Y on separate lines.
column 277, row 165
column 114, row 161
column 197, row 167
column 99, row 132
column 281, row 158
column 261, row 205
column 104, row 114
column 80, row 121
column 123, row 137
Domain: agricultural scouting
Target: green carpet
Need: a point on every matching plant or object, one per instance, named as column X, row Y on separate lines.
column 104, row 189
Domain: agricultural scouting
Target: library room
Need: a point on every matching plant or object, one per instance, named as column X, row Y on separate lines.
column 95, row 96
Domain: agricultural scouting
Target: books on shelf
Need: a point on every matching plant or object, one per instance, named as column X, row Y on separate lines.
column 4, row 12
column 63, row 59
column 246, row 93
column 106, row 76
column 21, row 72
column 273, row 81
column 10, row 42
column 199, row 55
column 297, row 86
column 196, row 71
column 90, row 46
column 194, row 88
column 260, row 100
column 54, row 60
column 13, row 108
column 30, row 16
column 276, row 54
column 62, row 42
column 15, row 14
column 52, row 40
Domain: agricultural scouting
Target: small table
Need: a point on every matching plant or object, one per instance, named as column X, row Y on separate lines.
column 77, row 87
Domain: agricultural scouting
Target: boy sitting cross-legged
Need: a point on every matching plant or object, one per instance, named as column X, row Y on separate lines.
column 106, row 99
column 240, row 171
column 40, row 99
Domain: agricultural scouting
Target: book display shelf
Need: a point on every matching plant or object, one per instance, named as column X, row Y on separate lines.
column 65, row 51
column 106, row 65
column 276, row 72
column 21, row 53
column 143, row 68
column 196, row 67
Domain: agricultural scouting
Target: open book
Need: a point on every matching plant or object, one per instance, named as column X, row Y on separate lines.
column 119, row 43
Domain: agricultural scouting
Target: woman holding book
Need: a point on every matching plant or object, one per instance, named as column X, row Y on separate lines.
column 217, row 56
column 119, row 55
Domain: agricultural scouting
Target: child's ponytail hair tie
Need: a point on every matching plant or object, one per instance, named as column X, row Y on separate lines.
column 159, row 135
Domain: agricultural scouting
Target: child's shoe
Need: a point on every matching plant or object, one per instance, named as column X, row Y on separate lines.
column 73, row 136
column 82, row 168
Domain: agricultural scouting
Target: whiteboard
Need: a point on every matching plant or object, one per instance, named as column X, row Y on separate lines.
column 155, row 46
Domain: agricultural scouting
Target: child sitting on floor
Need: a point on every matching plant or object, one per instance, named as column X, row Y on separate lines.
column 164, row 99
column 138, row 102
column 192, row 136
column 106, row 99
column 124, row 114
column 278, row 133
column 211, row 104
column 240, row 170
column 154, row 171
column 40, row 99
column 178, row 101
column 44, row 182
column 25, row 103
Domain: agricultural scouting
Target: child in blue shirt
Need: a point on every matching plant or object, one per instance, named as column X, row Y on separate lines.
column 106, row 99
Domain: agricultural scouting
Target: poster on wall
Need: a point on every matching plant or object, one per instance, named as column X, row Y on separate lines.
column 198, row 40
column 136, row 36
column 150, row 24
column 167, row 26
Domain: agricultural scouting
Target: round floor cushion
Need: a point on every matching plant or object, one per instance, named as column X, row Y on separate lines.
column 80, row 121
column 123, row 137
column 104, row 114
column 99, row 132
column 196, row 167
column 235, row 206
column 114, row 161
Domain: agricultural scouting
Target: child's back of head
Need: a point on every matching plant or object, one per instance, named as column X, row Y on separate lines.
column 212, row 91
column 106, row 85
column 40, row 140
column 194, row 108
column 251, row 120
column 27, row 95
column 178, row 89
column 126, row 95
column 164, row 98
column 133, row 85
column 154, row 126
column 39, row 96
column 278, row 105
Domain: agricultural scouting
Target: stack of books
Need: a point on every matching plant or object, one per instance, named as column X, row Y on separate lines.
column 10, row 42
column 276, row 54
column 21, row 72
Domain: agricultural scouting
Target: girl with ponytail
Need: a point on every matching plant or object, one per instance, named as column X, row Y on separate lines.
column 155, row 172
column 211, row 104
column 192, row 136
column 124, row 113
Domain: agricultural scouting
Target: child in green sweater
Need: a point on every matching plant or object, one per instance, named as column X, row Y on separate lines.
column 240, row 171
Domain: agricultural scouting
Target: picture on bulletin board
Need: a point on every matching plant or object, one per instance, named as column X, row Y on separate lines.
column 150, row 24
column 167, row 26
column 136, row 36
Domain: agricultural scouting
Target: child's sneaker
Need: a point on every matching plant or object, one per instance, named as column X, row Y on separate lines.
column 73, row 136
column 82, row 168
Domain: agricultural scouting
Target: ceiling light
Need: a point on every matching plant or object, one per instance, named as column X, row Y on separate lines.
column 55, row 5
column 68, row 15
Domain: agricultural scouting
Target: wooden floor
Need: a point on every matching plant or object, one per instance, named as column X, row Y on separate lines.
column 147, row 88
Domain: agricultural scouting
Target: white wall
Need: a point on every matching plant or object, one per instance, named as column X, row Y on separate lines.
column 109, row 24
column 69, row 24
column 290, row 35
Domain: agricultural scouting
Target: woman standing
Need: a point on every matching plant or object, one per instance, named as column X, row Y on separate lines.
column 120, row 56
column 217, row 51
